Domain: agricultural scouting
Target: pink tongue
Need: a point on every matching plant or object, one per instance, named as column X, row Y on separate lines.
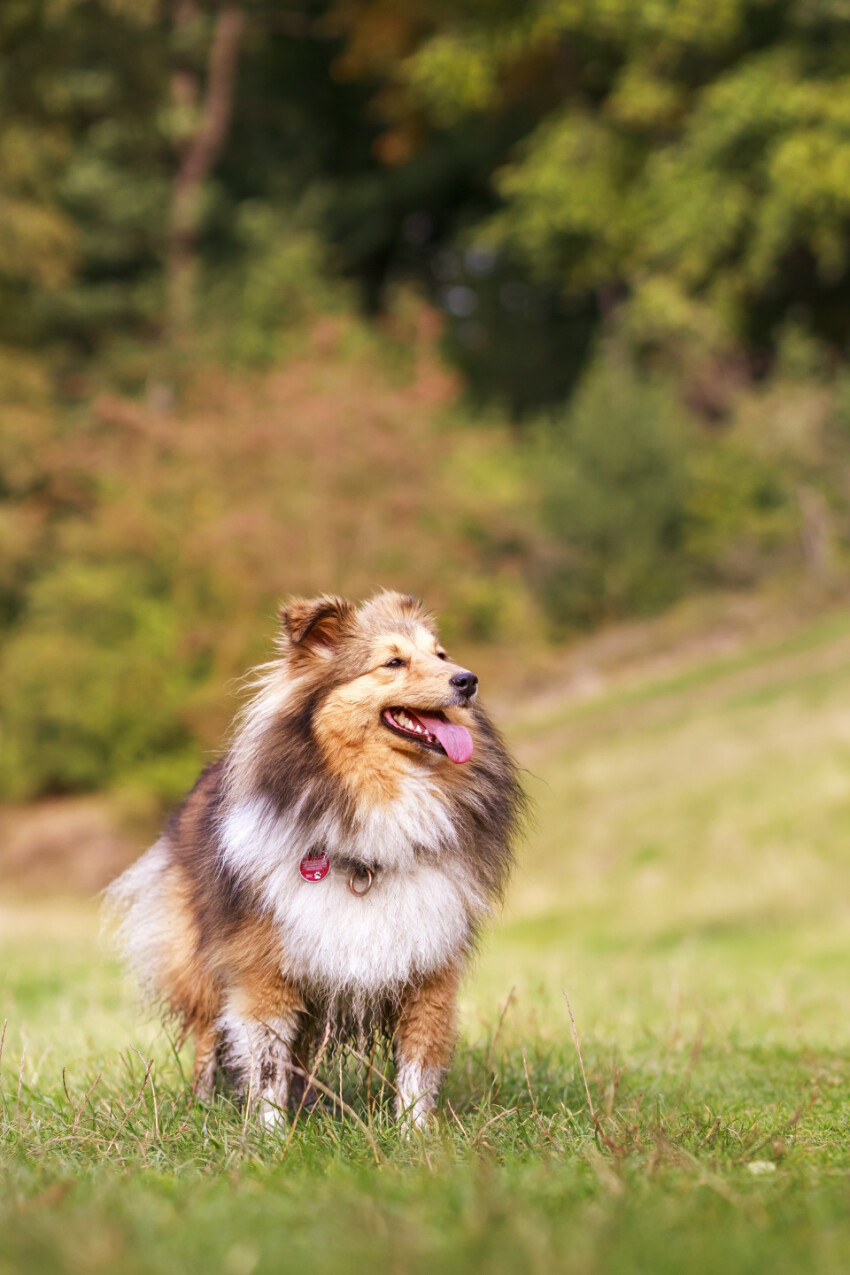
column 456, row 740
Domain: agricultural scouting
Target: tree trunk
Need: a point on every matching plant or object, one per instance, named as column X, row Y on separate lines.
column 200, row 150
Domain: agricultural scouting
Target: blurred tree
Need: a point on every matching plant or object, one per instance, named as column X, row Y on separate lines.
column 118, row 189
column 80, row 90
column 200, row 130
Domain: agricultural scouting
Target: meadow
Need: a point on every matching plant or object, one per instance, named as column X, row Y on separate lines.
column 685, row 886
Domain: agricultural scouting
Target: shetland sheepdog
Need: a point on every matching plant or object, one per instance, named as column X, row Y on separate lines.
column 328, row 876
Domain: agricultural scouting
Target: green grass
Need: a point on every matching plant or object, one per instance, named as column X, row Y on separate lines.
column 688, row 884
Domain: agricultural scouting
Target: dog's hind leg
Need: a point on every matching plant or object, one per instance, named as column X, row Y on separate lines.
column 424, row 1039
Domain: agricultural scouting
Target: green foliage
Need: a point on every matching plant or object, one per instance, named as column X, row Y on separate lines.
column 741, row 514
column 278, row 282
column 85, row 169
column 705, row 146
column 90, row 141
column 642, row 502
column 616, row 489
column 94, row 683
column 455, row 75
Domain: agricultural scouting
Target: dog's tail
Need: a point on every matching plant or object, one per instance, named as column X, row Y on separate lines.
column 135, row 920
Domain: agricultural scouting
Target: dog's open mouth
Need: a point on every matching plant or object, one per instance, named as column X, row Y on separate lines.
column 431, row 730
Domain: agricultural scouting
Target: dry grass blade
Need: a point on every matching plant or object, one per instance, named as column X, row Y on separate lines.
column 457, row 1119
column 21, row 1082
column 326, row 1037
column 507, row 1111
column 153, row 1095
column 580, row 1058
column 249, row 1106
column 528, row 1085
column 78, row 1113
column 511, row 996
column 537, row 1116
column 349, row 1111
column 67, row 1095
column 367, row 1062
column 132, row 1105
column 155, row 1111
column 3, row 1102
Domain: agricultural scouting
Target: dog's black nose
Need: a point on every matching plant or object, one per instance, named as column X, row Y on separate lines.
column 466, row 683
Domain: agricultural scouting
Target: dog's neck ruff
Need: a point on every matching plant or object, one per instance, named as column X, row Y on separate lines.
column 258, row 839
column 419, row 914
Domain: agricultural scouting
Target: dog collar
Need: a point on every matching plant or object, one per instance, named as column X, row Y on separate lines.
column 316, row 865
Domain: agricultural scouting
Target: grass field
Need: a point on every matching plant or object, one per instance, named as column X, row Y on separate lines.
column 687, row 885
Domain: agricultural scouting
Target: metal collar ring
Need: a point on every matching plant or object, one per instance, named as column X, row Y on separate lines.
column 357, row 874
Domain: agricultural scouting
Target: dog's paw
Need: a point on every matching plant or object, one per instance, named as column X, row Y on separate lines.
column 272, row 1116
column 416, row 1119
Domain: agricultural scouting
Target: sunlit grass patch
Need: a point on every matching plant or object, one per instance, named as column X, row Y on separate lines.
column 718, row 1122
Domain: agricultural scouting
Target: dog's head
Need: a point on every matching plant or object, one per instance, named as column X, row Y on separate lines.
column 386, row 685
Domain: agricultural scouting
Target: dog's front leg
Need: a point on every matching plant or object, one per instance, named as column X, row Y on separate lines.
column 206, row 1061
column 425, row 1036
column 257, row 1054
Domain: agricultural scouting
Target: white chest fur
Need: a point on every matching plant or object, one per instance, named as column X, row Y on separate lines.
column 415, row 918
column 409, row 924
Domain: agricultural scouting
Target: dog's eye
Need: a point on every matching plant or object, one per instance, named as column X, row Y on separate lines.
column 396, row 663
column 441, row 655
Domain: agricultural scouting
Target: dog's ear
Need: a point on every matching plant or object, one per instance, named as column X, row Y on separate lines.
column 315, row 626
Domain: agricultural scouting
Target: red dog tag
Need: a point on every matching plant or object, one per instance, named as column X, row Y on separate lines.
column 315, row 866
